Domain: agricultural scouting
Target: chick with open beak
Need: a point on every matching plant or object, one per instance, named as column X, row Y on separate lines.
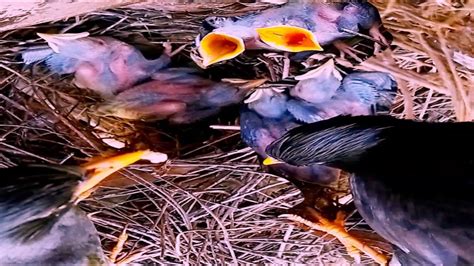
column 291, row 28
column 102, row 64
column 39, row 220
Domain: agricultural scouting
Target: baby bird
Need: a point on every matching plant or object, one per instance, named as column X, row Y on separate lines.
column 178, row 95
column 411, row 181
column 102, row 64
column 39, row 221
column 295, row 27
column 272, row 113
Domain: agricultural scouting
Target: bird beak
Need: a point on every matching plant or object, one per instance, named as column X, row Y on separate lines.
column 100, row 168
column 57, row 40
column 289, row 38
column 216, row 47
column 270, row 161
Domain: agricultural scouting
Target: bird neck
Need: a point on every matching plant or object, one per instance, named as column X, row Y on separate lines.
column 154, row 65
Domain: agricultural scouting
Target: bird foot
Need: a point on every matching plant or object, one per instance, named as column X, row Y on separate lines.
column 374, row 31
column 336, row 228
column 84, row 195
column 347, row 49
column 118, row 246
column 169, row 49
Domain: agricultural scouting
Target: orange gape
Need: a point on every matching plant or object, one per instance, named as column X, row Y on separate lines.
column 289, row 38
column 216, row 47
column 297, row 39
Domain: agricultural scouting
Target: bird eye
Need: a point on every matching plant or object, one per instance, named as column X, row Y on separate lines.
column 100, row 42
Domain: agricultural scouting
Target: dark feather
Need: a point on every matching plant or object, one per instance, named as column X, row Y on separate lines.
column 31, row 195
column 36, row 228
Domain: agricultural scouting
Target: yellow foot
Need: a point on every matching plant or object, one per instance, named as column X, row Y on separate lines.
column 336, row 229
column 119, row 246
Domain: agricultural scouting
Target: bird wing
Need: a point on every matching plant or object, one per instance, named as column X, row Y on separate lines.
column 306, row 112
column 376, row 89
column 432, row 222
column 57, row 63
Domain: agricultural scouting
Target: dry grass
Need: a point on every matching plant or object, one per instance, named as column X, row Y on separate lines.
column 212, row 203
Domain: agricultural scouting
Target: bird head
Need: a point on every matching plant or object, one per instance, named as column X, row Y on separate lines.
column 34, row 197
column 360, row 13
column 268, row 102
column 338, row 142
column 376, row 89
column 76, row 45
column 318, row 85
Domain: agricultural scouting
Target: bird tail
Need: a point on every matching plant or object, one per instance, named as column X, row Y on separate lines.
column 36, row 228
column 33, row 197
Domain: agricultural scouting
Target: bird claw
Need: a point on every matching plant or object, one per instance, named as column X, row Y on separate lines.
column 374, row 31
column 347, row 49
column 118, row 246
column 168, row 49
column 336, row 228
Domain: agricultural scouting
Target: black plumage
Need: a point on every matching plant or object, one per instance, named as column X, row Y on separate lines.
column 412, row 181
column 39, row 222
column 32, row 197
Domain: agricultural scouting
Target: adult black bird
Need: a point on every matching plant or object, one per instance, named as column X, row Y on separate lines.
column 294, row 27
column 39, row 221
column 270, row 113
column 412, row 181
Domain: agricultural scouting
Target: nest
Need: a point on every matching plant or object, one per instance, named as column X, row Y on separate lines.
column 212, row 203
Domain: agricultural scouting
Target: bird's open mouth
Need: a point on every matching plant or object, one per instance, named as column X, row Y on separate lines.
column 99, row 168
column 289, row 38
column 216, row 47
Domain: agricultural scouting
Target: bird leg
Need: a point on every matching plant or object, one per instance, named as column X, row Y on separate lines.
column 118, row 246
column 336, row 229
column 347, row 49
column 374, row 31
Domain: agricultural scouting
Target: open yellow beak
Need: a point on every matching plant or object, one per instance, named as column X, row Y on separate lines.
column 216, row 47
column 270, row 161
column 100, row 168
column 289, row 38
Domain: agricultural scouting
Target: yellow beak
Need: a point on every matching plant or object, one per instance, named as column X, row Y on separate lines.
column 289, row 38
column 270, row 161
column 216, row 47
column 100, row 168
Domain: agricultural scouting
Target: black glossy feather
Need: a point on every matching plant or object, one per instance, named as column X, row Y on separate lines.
column 32, row 197
column 412, row 182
